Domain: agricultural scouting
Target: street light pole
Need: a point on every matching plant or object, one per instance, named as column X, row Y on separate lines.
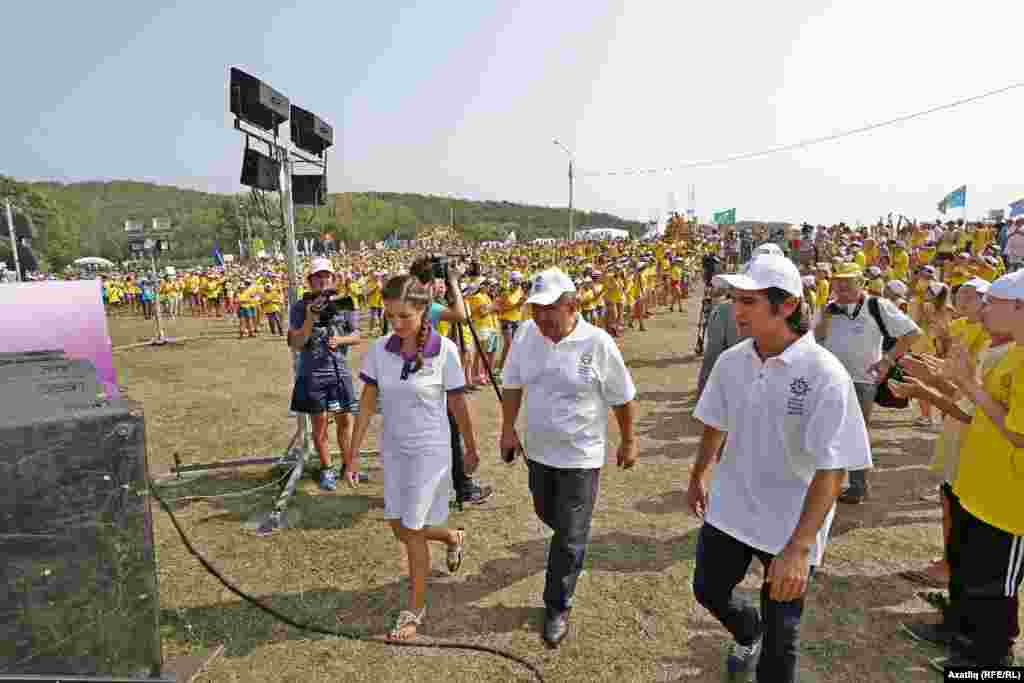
column 572, row 232
column 14, row 242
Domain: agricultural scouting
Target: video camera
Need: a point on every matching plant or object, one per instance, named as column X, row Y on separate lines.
column 327, row 304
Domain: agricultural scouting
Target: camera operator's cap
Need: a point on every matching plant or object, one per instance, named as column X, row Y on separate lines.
column 1009, row 286
column 847, row 270
column 765, row 272
column 321, row 265
column 548, row 285
column 768, row 248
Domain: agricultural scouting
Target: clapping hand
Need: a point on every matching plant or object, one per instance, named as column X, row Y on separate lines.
column 962, row 367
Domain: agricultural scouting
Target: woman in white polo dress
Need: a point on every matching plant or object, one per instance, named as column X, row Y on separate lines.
column 413, row 375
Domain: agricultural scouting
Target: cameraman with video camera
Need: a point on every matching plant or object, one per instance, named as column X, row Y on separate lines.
column 321, row 328
column 438, row 272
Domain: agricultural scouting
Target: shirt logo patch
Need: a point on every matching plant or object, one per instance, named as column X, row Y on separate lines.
column 585, row 369
column 798, row 389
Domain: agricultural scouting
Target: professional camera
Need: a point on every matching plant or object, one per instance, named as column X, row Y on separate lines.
column 439, row 267
column 327, row 304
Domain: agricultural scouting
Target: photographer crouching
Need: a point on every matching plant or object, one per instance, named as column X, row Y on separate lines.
column 322, row 327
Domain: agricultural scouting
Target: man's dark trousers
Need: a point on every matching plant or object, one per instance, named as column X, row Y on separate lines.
column 722, row 562
column 564, row 500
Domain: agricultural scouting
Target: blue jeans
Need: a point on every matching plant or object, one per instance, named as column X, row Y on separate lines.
column 722, row 562
column 866, row 397
column 564, row 500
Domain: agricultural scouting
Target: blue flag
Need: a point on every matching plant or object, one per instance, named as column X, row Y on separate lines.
column 218, row 257
column 957, row 199
column 1017, row 208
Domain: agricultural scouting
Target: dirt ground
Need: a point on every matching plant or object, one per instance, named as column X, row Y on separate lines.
column 216, row 397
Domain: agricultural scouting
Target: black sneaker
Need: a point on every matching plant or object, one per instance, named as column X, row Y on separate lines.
column 742, row 659
column 853, row 496
column 474, row 494
column 934, row 634
column 959, row 661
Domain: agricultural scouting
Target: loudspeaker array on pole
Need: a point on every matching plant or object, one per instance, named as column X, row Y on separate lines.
column 258, row 104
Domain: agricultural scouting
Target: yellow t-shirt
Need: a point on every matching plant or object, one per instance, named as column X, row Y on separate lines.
column 823, row 288
column 512, row 297
column 860, row 259
column 476, row 302
column 972, row 335
column 374, row 294
column 271, row 301
column 248, row 297
column 900, row 264
column 991, row 475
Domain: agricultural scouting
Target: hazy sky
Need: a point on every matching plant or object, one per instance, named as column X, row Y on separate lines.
column 464, row 98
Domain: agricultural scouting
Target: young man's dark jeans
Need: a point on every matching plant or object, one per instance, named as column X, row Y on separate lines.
column 722, row 562
column 564, row 500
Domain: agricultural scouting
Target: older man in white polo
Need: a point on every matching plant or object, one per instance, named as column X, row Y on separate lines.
column 572, row 373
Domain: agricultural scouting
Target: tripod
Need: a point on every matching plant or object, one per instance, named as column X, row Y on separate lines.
column 702, row 324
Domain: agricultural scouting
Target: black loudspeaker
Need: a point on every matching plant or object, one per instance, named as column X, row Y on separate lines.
column 257, row 103
column 309, row 133
column 260, row 171
column 309, row 190
column 78, row 581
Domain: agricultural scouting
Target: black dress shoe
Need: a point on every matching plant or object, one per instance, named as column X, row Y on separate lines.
column 556, row 626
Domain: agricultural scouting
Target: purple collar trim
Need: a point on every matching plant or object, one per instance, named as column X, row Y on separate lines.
column 432, row 348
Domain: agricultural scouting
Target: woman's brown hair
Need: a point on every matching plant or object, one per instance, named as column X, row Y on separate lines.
column 407, row 289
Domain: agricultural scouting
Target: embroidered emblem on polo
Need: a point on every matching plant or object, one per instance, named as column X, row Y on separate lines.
column 798, row 388
column 585, row 369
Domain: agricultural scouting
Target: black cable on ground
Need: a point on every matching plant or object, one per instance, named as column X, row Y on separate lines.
column 441, row 645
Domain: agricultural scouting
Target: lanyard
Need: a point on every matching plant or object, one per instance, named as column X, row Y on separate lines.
column 837, row 309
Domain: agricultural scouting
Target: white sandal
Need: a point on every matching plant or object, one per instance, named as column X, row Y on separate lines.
column 406, row 618
column 456, row 553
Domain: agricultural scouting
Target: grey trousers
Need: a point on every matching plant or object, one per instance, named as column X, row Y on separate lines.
column 866, row 397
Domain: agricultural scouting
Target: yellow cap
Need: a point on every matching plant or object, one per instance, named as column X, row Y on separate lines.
column 847, row 270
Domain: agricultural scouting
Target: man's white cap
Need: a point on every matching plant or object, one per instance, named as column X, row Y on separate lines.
column 765, row 272
column 980, row 285
column 548, row 285
column 768, row 248
column 1009, row 286
column 320, row 265
column 897, row 287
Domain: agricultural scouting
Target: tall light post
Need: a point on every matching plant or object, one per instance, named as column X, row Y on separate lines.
column 571, row 161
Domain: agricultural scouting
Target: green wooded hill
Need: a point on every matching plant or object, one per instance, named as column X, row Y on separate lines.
column 87, row 218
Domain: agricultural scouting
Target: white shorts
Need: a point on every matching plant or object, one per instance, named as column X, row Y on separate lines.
column 417, row 495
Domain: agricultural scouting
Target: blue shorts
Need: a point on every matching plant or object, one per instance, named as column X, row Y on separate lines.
column 247, row 312
column 331, row 397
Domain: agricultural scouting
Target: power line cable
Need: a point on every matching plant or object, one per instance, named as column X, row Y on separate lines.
column 810, row 141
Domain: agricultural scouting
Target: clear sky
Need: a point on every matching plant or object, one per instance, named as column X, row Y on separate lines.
column 464, row 98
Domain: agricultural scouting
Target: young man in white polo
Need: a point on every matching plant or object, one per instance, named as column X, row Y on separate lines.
column 572, row 373
column 794, row 427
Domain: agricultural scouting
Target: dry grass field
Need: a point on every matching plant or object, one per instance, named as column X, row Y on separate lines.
column 216, row 397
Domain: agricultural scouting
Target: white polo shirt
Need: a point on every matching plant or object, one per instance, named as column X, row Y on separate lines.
column 857, row 341
column 786, row 417
column 569, row 387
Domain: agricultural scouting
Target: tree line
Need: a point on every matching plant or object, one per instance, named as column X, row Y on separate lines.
column 71, row 220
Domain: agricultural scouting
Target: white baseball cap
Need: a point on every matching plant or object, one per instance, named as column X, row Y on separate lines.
column 897, row 287
column 980, row 285
column 1009, row 286
column 548, row 285
column 321, row 265
column 765, row 272
column 768, row 248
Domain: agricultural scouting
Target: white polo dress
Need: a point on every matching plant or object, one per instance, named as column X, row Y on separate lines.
column 416, row 440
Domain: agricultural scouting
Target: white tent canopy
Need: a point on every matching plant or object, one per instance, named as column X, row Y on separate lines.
column 93, row 261
column 602, row 234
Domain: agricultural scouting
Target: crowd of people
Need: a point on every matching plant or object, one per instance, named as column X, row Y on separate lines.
column 806, row 332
